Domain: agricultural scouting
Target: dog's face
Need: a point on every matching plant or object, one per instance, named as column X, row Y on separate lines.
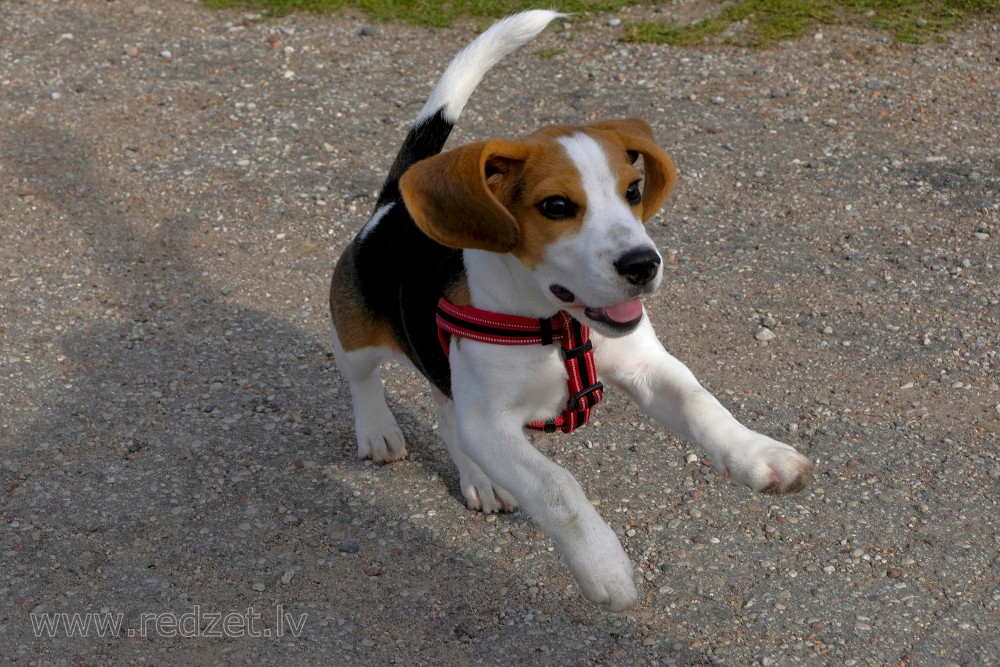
column 567, row 201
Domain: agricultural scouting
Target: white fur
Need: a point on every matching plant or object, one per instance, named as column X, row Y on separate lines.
column 467, row 69
column 376, row 430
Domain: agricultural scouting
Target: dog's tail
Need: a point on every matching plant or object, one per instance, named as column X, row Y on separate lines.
column 433, row 125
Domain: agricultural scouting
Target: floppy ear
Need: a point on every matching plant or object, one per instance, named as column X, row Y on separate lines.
column 452, row 196
column 660, row 174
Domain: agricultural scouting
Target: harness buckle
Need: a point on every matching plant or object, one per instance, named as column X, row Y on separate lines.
column 587, row 394
column 578, row 351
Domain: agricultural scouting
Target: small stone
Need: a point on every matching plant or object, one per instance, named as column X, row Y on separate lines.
column 718, row 100
column 286, row 578
column 56, row 95
column 368, row 31
column 764, row 335
column 894, row 573
column 615, row 22
column 827, row 331
column 769, row 322
column 258, row 586
column 373, row 571
column 131, row 51
column 830, row 122
column 982, row 236
column 349, row 547
column 166, row 55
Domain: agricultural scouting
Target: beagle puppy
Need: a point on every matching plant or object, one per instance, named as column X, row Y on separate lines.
column 530, row 230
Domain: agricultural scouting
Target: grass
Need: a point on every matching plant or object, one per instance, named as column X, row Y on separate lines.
column 758, row 23
column 761, row 23
column 424, row 12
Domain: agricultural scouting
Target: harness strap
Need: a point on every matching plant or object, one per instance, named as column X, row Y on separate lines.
column 498, row 329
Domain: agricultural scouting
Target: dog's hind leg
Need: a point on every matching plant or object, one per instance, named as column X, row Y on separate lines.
column 479, row 490
column 378, row 434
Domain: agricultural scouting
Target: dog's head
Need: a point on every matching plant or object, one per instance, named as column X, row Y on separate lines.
column 567, row 201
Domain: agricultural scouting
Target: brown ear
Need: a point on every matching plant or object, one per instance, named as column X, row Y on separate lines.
column 451, row 196
column 660, row 174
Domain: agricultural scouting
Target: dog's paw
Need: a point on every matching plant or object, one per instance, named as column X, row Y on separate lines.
column 767, row 466
column 382, row 442
column 604, row 572
column 482, row 494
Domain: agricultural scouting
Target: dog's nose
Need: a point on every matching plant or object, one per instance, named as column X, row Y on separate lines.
column 638, row 266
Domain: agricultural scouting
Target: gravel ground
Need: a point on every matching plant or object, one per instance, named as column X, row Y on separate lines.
column 175, row 186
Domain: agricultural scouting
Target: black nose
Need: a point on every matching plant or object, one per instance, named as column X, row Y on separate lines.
column 639, row 265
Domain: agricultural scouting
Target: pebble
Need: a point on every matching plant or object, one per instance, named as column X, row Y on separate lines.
column 830, row 122
column 764, row 334
column 286, row 578
column 614, row 22
column 349, row 547
column 769, row 321
column 368, row 31
column 56, row 95
column 131, row 51
column 982, row 236
column 258, row 586
column 718, row 100
column 166, row 55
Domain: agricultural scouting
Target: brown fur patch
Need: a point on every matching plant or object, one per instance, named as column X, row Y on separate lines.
column 357, row 327
column 458, row 292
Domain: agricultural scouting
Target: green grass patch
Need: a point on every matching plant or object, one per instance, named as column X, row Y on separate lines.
column 758, row 23
column 549, row 53
column 761, row 23
column 423, row 12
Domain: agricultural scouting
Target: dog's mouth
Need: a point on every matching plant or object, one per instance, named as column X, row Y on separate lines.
column 619, row 317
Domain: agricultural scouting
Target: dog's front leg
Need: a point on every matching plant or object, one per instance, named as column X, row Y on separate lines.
column 668, row 391
column 489, row 421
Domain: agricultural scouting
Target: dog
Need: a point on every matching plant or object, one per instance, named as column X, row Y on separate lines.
column 511, row 273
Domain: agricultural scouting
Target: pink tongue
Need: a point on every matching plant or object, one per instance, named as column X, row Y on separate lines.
column 625, row 311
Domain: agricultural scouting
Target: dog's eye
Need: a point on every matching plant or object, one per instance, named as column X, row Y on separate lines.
column 557, row 208
column 633, row 194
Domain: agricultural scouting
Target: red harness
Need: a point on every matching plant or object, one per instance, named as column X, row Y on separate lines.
column 578, row 353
